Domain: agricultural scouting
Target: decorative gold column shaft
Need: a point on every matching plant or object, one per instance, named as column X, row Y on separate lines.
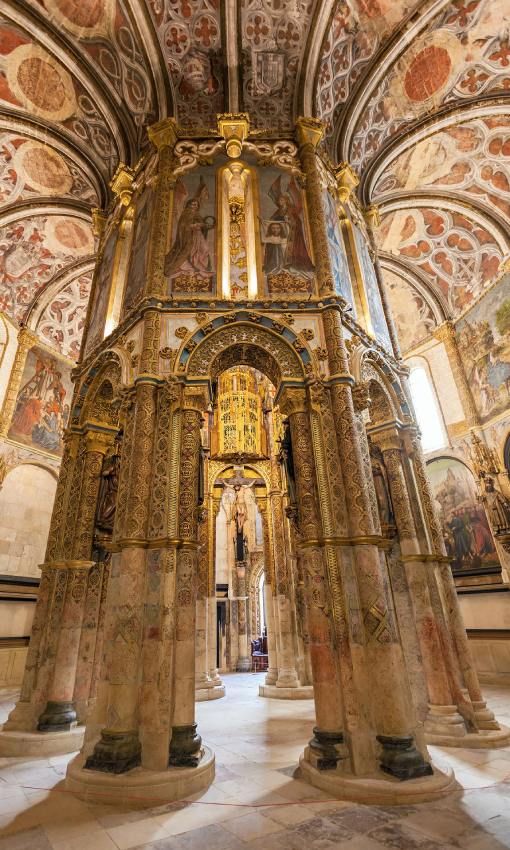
column 272, row 657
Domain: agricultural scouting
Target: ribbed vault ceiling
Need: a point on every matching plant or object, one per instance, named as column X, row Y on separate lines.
column 415, row 95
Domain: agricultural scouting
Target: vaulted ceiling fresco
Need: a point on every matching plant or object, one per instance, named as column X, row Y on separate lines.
column 415, row 94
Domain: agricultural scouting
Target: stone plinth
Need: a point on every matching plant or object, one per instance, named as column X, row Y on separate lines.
column 275, row 692
column 214, row 692
column 140, row 787
column 488, row 739
column 379, row 789
column 39, row 744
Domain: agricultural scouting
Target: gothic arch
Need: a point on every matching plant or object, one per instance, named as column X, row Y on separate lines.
column 279, row 355
column 98, row 396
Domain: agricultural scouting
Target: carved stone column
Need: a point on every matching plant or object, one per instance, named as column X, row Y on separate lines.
column 60, row 713
column 202, row 680
column 212, row 614
column 119, row 748
column 443, row 717
column 392, row 710
column 185, row 744
column 325, row 748
column 445, row 333
column 272, row 658
column 446, row 594
column 284, row 596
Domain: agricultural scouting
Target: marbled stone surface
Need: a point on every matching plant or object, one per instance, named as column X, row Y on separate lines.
column 256, row 803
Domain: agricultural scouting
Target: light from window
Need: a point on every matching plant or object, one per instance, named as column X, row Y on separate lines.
column 426, row 409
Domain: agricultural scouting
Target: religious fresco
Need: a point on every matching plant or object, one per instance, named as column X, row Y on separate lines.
column 472, row 158
column 190, row 263
column 406, row 301
column 371, row 289
column 355, row 32
column 484, row 342
column 137, row 266
column 286, row 251
column 190, row 39
column 43, row 402
column 466, row 532
column 340, row 267
column 62, row 98
column 101, row 293
column 32, row 251
column 463, row 54
column 456, row 254
column 63, row 319
column 29, row 168
column 273, row 40
column 104, row 30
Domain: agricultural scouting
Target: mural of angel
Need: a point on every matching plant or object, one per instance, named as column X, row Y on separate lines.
column 283, row 234
column 191, row 253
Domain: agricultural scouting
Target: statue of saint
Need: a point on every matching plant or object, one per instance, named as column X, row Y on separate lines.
column 240, row 515
column 498, row 507
column 108, row 488
column 381, row 488
column 287, row 459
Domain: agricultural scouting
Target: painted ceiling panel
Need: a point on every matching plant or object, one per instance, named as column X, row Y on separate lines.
column 412, row 314
column 104, row 31
column 30, row 169
column 472, row 158
column 189, row 33
column 273, row 39
column 32, row 251
column 464, row 54
column 35, row 83
column 455, row 254
column 356, row 31
column 62, row 322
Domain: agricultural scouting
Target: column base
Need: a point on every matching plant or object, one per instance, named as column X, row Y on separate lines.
column 446, row 722
column 214, row 692
column 400, row 758
column 140, row 787
column 40, row 744
column 484, row 716
column 185, row 746
column 57, row 717
column 243, row 664
column 378, row 789
column 115, row 752
column 485, row 739
column 271, row 676
column 274, row 692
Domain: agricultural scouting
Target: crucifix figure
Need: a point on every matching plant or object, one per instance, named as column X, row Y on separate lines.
column 237, row 485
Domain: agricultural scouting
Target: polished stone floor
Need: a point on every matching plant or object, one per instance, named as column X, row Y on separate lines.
column 257, row 801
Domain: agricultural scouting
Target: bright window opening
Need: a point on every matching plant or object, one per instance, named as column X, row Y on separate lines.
column 427, row 411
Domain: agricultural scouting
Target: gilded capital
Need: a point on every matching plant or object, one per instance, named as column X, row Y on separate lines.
column 309, row 131
column 121, row 183
column 99, row 219
column 196, row 398
column 346, row 180
column 99, row 441
column 163, row 134
column 234, row 127
column 372, row 216
column 445, row 332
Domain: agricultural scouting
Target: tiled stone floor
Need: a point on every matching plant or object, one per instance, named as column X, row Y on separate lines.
column 255, row 803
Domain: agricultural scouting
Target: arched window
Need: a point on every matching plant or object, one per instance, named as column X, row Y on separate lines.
column 427, row 410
